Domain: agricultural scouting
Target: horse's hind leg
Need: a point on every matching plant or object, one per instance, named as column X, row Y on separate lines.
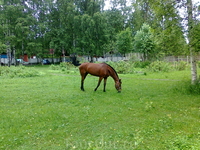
column 83, row 76
column 104, row 87
column 100, row 78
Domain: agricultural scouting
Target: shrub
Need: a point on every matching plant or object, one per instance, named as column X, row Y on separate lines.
column 54, row 67
column 182, row 65
column 141, row 64
column 122, row 67
column 159, row 66
column 64, row 66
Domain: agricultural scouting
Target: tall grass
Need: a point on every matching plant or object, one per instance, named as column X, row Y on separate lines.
column 51, row 112
column 19, row 71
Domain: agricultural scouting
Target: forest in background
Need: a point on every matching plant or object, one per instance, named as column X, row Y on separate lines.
column 154, row 28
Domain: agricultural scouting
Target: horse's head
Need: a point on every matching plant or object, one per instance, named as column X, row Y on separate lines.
column 118, row 85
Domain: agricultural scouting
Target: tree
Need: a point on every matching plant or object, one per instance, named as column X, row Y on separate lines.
column 191, row 43
column 144, row 42
column 9, row 15
column 88, row 43
column 142, row 14
column 164, row 18
column 114, row 21
column 100, row 33
column 196, row 37
column 15, row 24
column 84, row 27
column 124, row 41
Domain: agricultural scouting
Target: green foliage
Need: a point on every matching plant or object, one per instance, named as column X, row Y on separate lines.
column 2, row 48
column 124, row 41
column 168, row 32
column 19, row 71
column 181, row 65
column 196, row 37
column 85, row 28
column 130, row 67
column 162, row 66
column 64, row 66
column 159, row 66
column 141, row 64
column 144, row 42
column 122, row 67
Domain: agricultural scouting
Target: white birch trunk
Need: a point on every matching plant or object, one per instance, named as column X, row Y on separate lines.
column 192, row 53
column 193, row 68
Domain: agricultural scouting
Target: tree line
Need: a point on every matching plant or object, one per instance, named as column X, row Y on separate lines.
column 152, row 27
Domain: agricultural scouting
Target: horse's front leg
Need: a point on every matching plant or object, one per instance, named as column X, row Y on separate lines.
column 82, row 81
column 100, row 78
column 104, row 87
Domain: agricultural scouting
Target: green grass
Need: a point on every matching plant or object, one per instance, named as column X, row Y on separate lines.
column 51, row 112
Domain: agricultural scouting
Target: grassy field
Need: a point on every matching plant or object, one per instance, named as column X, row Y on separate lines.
column 51, row 112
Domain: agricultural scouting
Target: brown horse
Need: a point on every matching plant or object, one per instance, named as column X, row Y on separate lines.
column 103, row 71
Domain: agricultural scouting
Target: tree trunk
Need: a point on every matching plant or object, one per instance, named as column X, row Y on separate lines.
column 8, row 53
column 14, row 58
column 193, row 68
column 192, row 52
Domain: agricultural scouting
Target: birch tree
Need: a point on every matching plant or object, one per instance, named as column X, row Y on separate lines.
column 194, row 77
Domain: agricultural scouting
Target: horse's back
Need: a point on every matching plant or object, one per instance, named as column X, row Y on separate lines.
column 83, row 66
column 92, row 65
column 93, row 69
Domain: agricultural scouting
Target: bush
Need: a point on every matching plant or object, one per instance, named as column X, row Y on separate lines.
column 19, row 71
column 130, row 67
column 182, row 65
column 141, row 64
column 160, row 66
column 122, row 67
column 54, row 67
column 64, row 66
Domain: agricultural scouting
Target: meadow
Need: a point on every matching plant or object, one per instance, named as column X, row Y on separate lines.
column 49, row 111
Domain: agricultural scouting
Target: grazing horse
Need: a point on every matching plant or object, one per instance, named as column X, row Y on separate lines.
column 103, row 71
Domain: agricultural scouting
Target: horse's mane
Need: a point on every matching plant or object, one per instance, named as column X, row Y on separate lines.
column 112, row 69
